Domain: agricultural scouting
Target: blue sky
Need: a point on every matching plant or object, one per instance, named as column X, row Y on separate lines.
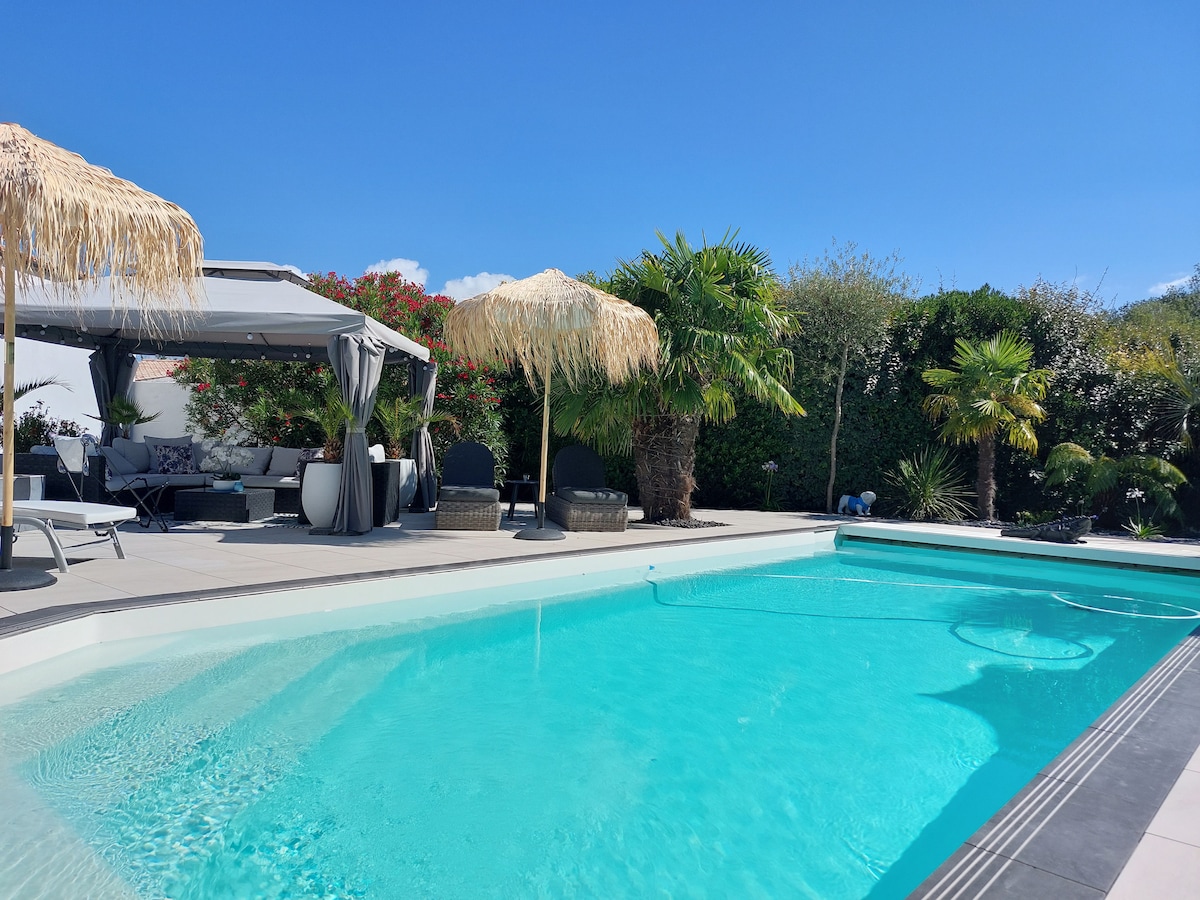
column 985, row 142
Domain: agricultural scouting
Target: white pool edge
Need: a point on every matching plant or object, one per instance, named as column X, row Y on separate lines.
column 1181, row 558
column 423, row 594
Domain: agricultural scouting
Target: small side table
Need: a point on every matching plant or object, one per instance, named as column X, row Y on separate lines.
column 203, row 505
column 517, row 484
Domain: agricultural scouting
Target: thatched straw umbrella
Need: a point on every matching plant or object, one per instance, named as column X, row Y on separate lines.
column 552, row 323
column 70, row 224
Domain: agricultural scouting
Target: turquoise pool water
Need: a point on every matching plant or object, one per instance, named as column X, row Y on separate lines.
column 829, row 727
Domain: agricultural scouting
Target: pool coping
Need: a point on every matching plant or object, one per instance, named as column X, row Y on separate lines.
column 22, row 623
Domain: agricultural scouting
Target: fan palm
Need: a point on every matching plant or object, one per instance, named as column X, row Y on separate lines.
column 991, row 392
column 719, row 323
column 1179, row 406
column 1103, row 478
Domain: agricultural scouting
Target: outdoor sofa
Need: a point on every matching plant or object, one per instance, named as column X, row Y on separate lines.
column 175, row 463
column 141, row 466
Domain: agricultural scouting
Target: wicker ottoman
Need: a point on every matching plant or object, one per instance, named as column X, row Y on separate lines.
column 201, row 505
column 467, row 509
column 580, row 516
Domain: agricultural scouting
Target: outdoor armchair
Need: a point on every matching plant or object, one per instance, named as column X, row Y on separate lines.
column 580, row 501
column 468, row 499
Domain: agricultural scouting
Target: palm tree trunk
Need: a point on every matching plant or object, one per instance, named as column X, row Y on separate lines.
column 837, row 425
column 985, row 483
column 664, row 457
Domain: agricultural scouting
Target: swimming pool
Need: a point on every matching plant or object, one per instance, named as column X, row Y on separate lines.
column 829, row 726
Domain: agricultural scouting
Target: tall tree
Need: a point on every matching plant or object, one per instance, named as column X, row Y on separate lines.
column 846, row 299
column 990, row 392
column 720, row 322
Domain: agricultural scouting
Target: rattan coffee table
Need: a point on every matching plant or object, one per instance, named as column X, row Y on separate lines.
column 203, row 505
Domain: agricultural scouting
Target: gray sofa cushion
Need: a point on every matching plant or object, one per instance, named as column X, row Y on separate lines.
column 468, row 493
column 262, row 459
column 278, row 482
column 134, row 451
column 284, row 461
column 117, row 482
column 118, row 464
column 592, row 495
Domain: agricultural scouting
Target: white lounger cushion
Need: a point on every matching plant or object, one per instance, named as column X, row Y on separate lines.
column 72, row 512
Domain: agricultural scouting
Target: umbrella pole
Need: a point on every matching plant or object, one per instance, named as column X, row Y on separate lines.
column 542, row 533
column 541, row 510
column 12, row 579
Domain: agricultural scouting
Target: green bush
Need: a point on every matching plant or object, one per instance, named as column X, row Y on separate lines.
column 36, row 427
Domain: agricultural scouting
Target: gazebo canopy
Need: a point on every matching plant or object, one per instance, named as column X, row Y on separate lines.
column 250, row 310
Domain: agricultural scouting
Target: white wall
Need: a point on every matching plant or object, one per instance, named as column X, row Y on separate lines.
column 165, row 397
column 35, row 360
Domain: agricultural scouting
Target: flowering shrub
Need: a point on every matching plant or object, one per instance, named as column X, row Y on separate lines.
column 257, row 399
column 36, row 426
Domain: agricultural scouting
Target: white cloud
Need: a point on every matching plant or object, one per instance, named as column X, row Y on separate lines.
column 1163, row 286
column 462, row 288
column 409, row 268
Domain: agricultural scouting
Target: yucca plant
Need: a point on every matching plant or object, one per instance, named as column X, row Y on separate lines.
column 930, row 485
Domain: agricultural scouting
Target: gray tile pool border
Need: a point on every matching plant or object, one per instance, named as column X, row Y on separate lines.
column 1072, row 829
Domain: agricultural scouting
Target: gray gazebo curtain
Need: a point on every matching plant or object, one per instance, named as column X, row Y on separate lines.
column 422, row 382
column 357, row 362
column 112, row 376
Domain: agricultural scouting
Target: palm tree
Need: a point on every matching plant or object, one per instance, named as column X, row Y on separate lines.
column 1179, row 406
column 398, row 417
column 1102, row 478
column 990, row 392
column 720, row 320
column 20, row 389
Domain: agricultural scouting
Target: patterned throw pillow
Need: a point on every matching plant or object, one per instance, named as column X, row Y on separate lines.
column 311, row 454
column 175, row 461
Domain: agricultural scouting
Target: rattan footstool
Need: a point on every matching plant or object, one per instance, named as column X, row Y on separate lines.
column 203, row 505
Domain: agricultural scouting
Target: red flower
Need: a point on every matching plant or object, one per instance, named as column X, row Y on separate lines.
column 202, row 386
column 241, row 382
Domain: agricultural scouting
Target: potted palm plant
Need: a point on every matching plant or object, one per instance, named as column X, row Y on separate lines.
column 123, row 413
column 398, row 418
column 323, row 477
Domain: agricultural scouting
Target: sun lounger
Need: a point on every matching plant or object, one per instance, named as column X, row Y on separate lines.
column 46, row 515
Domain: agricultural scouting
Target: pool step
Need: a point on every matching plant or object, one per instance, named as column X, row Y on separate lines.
column 188, row 799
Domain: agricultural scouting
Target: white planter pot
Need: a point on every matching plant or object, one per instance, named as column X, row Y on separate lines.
column 319, row 492
column 408, row 481
column 225, row 485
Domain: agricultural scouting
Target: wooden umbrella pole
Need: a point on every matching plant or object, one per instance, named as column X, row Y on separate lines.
column 545, row 448
column 10, row 328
